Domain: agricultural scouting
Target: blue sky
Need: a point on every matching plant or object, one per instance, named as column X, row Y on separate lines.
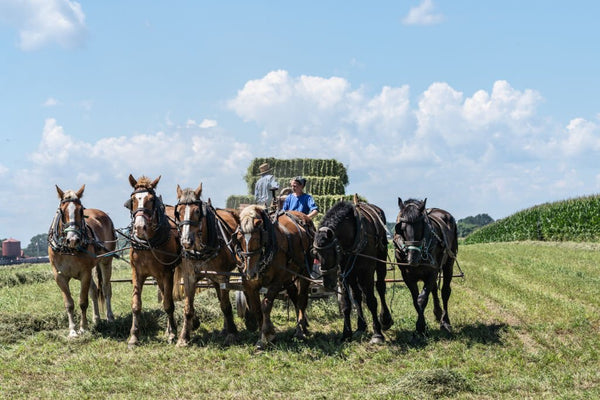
column 482, row 107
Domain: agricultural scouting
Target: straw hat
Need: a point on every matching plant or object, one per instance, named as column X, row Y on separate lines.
column 264, row 168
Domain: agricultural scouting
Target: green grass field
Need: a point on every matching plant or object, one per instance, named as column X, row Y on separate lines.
column 526, row 320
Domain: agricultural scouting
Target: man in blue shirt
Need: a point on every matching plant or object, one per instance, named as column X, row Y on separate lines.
column 300, row 201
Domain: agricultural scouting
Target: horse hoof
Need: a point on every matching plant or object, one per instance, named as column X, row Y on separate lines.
column 386, row 322
column 446, row 327
column 182, row 343
column 230, row 339
column 377, row 339
column 73, row 334
column 132, row 343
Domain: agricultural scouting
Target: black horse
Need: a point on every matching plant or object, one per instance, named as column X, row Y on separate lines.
column 353, row 237
column 426, row 243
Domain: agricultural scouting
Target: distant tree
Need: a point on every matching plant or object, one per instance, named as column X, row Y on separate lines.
column 467, row 225
column 38, row 246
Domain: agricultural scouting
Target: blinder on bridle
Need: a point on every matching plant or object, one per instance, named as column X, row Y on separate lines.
column 201, row 209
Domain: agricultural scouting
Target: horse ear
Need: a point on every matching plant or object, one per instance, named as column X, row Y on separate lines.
column 424, row 202
column 355, row 199
column 400, row 204
column 132, row 181
column 60, row 192
column 155, row 182
column 178, row 191
column 198, row 191
column 209, row 202
column 80, row 192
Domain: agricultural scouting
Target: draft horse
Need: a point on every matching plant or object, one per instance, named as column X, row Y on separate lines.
column 155, row 250
column 206, row 236
column 426, row 244
column 78, row 239
column 275, row 253
column 352, row 239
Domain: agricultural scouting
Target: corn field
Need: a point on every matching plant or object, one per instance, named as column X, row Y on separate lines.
column 573, row 219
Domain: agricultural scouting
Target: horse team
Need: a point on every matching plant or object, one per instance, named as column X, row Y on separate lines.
column 273, row 252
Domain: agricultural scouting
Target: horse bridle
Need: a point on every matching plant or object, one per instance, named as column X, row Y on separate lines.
column 57, row 239
column 157, row 211
column 421, row 246
column 268, row 245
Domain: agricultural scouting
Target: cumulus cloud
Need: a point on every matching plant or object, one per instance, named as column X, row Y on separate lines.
column 42, row 22
column 487, row 151
column 51, row 102
column 423, row 14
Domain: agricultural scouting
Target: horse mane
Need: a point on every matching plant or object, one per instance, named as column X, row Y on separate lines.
column 143, row 183
column 70, row 195
column 413, row 212
column 188, row 195
column 247, row 217
column 336, row 214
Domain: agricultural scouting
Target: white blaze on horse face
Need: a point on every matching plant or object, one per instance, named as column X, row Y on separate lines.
column 71, row 235
column 139, row 224
column 185, row 232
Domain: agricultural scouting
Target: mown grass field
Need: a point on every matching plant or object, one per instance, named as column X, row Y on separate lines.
column 526, row 321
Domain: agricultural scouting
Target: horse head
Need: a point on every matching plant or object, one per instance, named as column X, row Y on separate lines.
column 72, row 221
column 190, row 216
column 256, row 239
column 411, row 229
column 145, row 206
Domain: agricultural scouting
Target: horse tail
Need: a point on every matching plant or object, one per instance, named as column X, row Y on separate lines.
column 98, row 279
column 178, row 290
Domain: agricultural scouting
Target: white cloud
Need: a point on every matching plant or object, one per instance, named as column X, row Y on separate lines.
column 489, row 151
column 423, row 14
column 51, row 102
column 208, row 123
column 42, row 22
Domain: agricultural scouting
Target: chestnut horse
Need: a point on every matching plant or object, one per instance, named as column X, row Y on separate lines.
column 155, row 250
column 77, row 240
column 426, row 243
column 353, row 239
column 276, row 255
column 206, row 239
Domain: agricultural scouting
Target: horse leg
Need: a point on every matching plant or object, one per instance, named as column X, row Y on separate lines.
column 303, row 287
column 437, row 309
column 267, row 331
column 446, row 291
column 367, row 286
column 86, row 280
column 423, row 298
column 93, row 294
column 386, row 316
column 361, row 323
column 165, row 285
column 136, row 307
column 411, row 283
column 63, row 284
column 189, row 288
column 229, row 327
column 253, row 316
column 346, row 310
column 105, row 267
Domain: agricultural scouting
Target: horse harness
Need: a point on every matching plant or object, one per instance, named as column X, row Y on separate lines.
column 360, row 238
column 162, row 230
column 425, row 245
column 56, row 238
column 217, row 231
column 268, row 240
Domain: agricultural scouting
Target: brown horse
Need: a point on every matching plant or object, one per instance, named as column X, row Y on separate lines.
column 206, row 238
column 426, row 243
column 352, row 238
column 155, row 250
column 77, row 240
column 276, row 256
